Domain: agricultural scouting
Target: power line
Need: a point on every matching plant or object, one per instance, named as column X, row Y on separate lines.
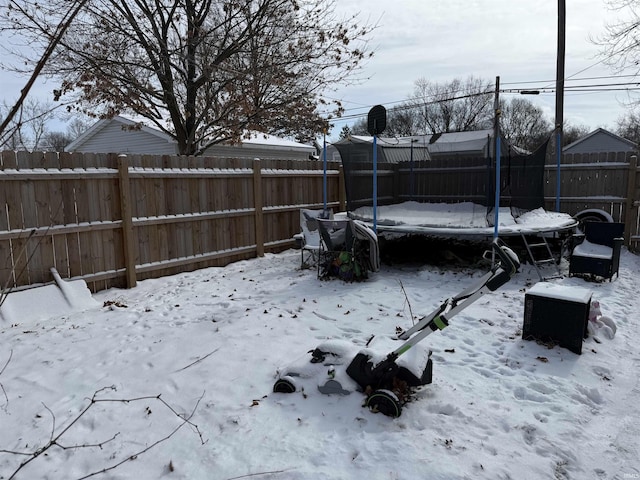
column 593, row 88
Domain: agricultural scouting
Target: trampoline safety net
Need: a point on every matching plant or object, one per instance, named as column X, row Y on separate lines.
column 404, row 176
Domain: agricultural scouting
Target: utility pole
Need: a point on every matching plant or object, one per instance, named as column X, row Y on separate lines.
column 560, row 93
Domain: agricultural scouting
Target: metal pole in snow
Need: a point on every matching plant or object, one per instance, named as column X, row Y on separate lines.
column 324, row 175
column 411, row 173
column 375, row 184
column 560, row 93
column 497, row 153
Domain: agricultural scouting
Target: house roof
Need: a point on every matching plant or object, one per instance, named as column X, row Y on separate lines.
column 600, row 140
column 394, row 150
column 266, row 140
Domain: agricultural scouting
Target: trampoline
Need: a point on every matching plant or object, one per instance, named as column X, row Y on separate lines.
column 463, row 220
column 449, row 196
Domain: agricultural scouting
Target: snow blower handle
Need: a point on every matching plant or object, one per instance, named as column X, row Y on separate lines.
column 506, row 267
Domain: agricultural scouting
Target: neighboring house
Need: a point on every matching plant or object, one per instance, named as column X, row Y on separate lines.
column 390, row 150
column 599, row 141
column 121, row 135
column 478, row 143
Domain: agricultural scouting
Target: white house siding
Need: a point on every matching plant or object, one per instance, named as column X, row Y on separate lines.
column 114, row 139
column 600, row 141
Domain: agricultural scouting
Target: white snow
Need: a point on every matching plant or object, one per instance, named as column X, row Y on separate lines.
column 561, row 292
column 210, row 342
column 463, row 217
column 593, row 250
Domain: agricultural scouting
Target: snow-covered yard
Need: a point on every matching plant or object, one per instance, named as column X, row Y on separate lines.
column 209, row 344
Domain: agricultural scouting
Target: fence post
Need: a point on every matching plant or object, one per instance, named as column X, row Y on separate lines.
column 342, row 192
column 630, row 200
column 257, row 200
column 127, row 222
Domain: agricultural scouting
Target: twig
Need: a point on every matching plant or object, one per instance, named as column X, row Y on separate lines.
column 261, row 473
column 2, row 386
column 6, row 290
column 134, row 456
column 55, row 438
column 198, row 360
column 406, row 299
column 7, row 362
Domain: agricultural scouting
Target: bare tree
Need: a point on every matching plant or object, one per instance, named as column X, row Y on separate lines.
column 455, row 106
column 49, row 41
column 202, row 71
column 77, row 126
column 402, row 122
column 571, row 133
column 57, row 141
column 28, row 127
column 523, row 124
column 359, row 127
column 619, row 43
column 628, row 126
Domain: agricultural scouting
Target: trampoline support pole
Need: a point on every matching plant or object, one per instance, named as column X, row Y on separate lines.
column 324, row 174
column 496, row 212
column 375, row 184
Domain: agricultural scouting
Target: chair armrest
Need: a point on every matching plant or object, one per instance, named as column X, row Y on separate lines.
column 615, row 261
column 576, row 239
column 617, row 243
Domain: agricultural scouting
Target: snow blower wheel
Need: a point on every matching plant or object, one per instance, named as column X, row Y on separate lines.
column 385, row 402
column 284, row 385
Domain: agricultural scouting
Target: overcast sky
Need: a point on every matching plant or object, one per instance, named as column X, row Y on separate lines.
column 513, row 39
column 447, row 39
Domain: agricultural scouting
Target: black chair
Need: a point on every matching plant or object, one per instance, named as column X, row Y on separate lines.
column 597, row 250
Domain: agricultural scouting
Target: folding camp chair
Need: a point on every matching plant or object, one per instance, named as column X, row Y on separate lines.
column 338, row 253
column 309, row 236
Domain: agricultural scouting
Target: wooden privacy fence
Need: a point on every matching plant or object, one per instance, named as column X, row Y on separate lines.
column 112, row 220
column 606, row 181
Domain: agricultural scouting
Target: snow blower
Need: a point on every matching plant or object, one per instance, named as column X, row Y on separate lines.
column 341, row 367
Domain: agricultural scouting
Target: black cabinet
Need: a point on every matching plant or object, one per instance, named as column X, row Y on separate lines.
column 557, row 314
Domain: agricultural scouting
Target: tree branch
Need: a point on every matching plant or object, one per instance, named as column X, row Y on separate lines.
column 54, row 439
column 197, row 361
column 2, row 386
column 53, row 43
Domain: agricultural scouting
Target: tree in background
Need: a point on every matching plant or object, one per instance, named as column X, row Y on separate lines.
column 345, row 132
column 402, row 122
column 619, row 43
column 628, row 126
column 523, row 124
column 202, row 71
column 463, row 106
column 571, row 133
column 57, row 141
column 77, row 125
column 28, row 128
column 456, row 106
